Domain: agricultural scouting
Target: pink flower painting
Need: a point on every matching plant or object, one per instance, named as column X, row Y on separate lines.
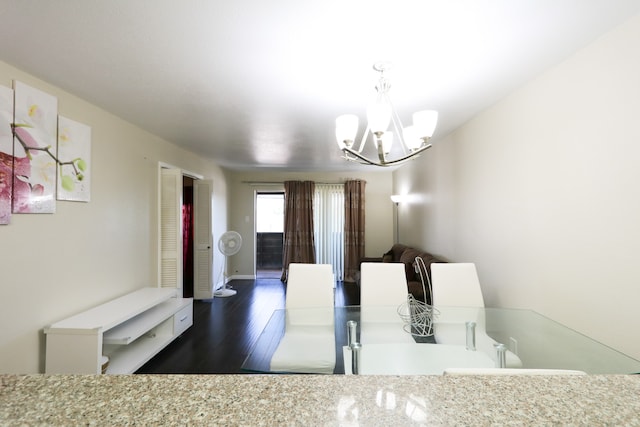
column 34, row 150
column 6, row 154
column 74, row 160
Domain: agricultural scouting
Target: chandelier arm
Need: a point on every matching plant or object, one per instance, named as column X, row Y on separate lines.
column 353, row 156
column 363, row 140
column 357, row 157
column 360, row 158
column 397, row 126
column 409, row 156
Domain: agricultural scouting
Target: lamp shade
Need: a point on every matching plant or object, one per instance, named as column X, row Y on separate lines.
column 346, row 128
column 411, row 139
column 379, row 116
column 425, row 123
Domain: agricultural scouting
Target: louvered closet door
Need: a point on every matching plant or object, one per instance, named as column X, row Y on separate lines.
column 171, row 228
column 203, row 240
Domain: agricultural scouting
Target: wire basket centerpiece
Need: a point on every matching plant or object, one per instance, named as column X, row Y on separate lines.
column 417, row 315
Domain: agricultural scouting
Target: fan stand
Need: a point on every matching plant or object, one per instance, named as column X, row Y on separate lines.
column 229, row 244
column 224, row 292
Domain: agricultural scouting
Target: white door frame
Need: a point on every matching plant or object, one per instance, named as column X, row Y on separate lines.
column 195, row 176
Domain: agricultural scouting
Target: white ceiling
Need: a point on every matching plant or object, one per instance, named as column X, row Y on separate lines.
column 258, row 84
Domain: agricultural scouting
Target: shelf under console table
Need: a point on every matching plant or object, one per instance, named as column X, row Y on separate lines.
column 129, row 330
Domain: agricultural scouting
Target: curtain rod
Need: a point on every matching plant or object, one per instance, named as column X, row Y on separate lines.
column 282, row 183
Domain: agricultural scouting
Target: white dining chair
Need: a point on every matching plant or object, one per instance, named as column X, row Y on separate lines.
column 456, row 293
column 456, row 285
column 457, row 297
column 383, row 288
column 310, row 286
column 308, row 343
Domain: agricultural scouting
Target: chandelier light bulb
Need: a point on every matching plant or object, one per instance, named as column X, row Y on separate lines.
column 387, row 142
column 425, row 123
column 411, row 138
column 346, row 129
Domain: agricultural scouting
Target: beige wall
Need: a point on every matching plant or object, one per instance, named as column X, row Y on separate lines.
column 541, row 192
column 378, row 215
column 53, row 266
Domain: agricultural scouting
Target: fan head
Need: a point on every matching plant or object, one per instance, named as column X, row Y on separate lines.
column 230, row 243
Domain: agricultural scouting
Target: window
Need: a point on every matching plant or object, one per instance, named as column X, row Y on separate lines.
column 269, row 234
column 328, row 224
column 270, row 209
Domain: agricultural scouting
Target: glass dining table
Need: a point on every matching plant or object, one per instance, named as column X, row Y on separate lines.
column 393, row 341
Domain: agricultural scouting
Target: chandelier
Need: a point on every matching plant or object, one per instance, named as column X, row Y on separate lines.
column 413, row 139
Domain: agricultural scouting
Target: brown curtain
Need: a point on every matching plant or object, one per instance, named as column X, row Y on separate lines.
column 298, row 224
column 353, row 227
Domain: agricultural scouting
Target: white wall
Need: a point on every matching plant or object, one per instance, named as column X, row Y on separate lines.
column 541, row 192
column 53, row 266
column 378, row 213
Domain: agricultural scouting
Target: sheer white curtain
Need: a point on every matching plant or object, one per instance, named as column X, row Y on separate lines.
column 328, row 221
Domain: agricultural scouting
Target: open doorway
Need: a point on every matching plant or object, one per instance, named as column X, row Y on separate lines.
column 269, row 234
column 187, row 236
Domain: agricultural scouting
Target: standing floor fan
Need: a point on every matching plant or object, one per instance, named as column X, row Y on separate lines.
column 228, row 244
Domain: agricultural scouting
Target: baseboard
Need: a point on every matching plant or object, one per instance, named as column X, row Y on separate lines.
column 243, row 277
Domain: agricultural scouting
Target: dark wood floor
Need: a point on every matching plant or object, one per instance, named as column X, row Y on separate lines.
column 225, row 329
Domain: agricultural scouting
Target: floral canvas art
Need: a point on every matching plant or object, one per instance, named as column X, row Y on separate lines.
column 6, row 153
column 34, row 150
column 74, row 156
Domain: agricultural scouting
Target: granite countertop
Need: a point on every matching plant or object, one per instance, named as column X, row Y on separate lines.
column 309, row 400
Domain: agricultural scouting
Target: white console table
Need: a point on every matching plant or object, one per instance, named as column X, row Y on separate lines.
column 129, row 330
